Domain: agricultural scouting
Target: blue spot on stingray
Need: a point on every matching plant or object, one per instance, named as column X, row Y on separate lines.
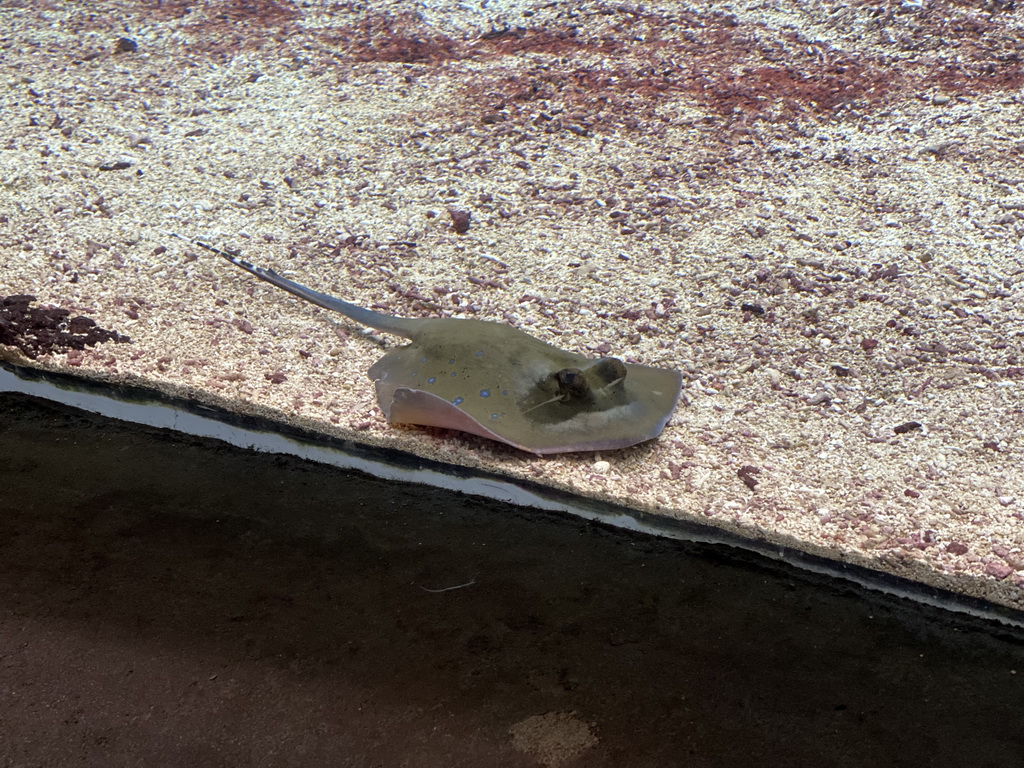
column 423, row 359
column 453, row 374
column 480, row 353
column 431, row 380
column 457, row 401
column 452, row 361
column 494, row 415
column 504, row 392
column 485, row 393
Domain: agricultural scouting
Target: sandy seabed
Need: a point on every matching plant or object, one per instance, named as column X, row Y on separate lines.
column 814, row 211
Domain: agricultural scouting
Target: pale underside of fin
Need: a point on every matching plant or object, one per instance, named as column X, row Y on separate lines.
column 410, row 406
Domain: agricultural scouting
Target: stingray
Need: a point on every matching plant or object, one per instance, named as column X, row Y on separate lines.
column 499, row 382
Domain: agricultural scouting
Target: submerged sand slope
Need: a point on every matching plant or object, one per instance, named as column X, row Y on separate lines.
column 815, row 211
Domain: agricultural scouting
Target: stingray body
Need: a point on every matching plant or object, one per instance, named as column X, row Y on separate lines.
column 498, row 382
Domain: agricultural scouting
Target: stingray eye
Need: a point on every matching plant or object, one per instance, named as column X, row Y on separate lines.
column 571, row 382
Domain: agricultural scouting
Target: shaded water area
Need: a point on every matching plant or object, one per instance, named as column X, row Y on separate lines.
column 175, row 601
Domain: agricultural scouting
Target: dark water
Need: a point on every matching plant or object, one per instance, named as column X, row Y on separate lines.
column 167, row 601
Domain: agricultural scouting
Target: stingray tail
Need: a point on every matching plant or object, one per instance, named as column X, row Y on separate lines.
column 400, row 326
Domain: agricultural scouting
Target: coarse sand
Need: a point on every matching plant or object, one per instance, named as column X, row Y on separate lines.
column 814, row 210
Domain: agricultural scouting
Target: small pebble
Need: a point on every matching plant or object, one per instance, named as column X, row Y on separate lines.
column 460, row 220
column 125, row 45
column 909, row 426
column 601, row 467
column 998, row 570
